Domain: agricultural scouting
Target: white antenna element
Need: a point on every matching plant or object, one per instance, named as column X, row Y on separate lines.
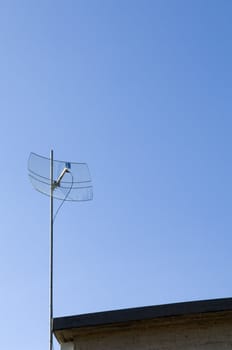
column 77, row 187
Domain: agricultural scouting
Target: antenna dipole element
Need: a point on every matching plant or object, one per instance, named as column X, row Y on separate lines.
column 51, row 251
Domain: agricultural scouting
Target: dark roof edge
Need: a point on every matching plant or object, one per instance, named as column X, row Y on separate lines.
column 142, row 313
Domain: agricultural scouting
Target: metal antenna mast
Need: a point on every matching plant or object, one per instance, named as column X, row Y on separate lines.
column 51, row 252
column 78, row 187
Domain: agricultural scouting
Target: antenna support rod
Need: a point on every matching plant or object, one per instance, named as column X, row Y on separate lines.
column 58, row 181
column 51, row 251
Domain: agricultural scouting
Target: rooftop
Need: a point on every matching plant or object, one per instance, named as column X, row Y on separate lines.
column 65, row 328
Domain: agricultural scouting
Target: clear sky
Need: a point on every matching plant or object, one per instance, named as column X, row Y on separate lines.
column 141, row 91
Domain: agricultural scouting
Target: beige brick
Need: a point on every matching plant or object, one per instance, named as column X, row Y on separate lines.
column 211, row 332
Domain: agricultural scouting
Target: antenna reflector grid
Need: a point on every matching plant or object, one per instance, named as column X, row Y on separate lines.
column 76, row 185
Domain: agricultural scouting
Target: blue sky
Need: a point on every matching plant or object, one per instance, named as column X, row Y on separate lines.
column 141, row 90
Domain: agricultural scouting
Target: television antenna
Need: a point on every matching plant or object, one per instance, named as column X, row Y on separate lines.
column 62, row 180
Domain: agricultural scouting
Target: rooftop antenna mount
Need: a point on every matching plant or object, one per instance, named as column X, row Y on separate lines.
column 75, row 187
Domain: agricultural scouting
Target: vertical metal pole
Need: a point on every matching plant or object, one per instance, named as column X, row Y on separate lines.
column 51, row 251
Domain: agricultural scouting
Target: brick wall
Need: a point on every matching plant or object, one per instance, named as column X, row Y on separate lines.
column 211, row 332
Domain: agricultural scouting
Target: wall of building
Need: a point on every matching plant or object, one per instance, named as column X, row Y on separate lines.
column 207, row 333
